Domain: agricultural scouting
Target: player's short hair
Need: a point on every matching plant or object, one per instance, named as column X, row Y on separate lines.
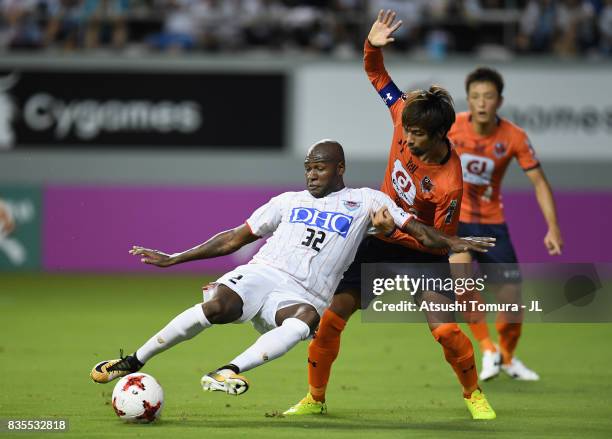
column 432, row 110
column 485, row 74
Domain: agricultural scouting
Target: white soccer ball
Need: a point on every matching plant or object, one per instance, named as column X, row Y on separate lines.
column 138, row 397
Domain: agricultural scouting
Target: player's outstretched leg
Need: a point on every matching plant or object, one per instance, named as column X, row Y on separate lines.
column 297, row 321
column 225, row 379
column 108, row 370
column 186, row 325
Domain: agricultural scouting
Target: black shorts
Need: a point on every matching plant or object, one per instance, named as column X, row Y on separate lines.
column 413, row 263
column 499, row 263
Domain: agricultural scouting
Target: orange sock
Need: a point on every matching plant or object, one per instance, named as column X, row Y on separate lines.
column 322, row 351
column 480, row 330
column 509, row 334
column 478, row 324
column 459, row 353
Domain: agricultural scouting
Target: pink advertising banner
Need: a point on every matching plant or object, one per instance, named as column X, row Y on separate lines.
column 91, row 228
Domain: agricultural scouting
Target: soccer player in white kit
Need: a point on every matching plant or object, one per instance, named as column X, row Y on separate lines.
column 313, row 237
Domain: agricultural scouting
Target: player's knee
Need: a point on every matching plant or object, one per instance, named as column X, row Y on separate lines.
column 303, row 312
column 345, row 304
column 456, row 345
column 446, row 333
column 219, row 311
column 301, row 328
column 311, row 317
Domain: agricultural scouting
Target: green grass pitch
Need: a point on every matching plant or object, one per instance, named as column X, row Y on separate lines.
column 390, row 380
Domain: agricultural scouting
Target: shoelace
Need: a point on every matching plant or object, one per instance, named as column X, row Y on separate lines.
column 480, row 402
column 122, row 365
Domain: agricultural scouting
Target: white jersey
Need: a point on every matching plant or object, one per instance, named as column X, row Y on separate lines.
column 314, row 240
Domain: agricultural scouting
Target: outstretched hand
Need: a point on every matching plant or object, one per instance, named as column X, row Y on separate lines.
column 480, row 244
column 152, row 257
column 383, row 27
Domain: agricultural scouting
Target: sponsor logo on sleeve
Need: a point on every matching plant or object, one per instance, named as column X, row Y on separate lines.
column 452, row 207
column 331, row 221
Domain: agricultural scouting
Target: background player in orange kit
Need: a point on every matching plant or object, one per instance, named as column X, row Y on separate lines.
column 486, row 144
column 423, row 176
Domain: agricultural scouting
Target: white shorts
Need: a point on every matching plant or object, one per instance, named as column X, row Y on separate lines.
column 263, row 290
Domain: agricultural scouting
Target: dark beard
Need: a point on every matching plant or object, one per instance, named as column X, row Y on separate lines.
column 417, row 151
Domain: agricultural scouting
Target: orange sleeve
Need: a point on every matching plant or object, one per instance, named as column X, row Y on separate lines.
column 374, row 66
column 524, row 152
column 446, row 217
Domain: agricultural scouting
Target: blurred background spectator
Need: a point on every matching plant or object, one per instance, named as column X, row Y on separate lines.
column 605, row 28
column 435, row 28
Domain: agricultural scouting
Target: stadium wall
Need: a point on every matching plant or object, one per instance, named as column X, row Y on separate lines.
column 70, row 194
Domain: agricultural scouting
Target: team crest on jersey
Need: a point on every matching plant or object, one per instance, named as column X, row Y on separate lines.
column 331, row 221
column 351, row 205
column 500, row 149
column 426, row 184
column 402, row 183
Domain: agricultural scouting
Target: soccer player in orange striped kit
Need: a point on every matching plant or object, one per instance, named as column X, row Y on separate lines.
column 487, row 144
column 423, row 176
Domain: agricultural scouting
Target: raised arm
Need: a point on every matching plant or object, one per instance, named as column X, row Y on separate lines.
column 383, row 28
column 380, row 36
column 221, row 244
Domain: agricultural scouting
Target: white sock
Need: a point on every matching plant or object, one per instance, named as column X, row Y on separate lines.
column 272, row 344
column 186, row 325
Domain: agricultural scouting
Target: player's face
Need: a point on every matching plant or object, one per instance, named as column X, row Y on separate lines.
column 417, row 140
column 320, row 177
column 483, row 102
